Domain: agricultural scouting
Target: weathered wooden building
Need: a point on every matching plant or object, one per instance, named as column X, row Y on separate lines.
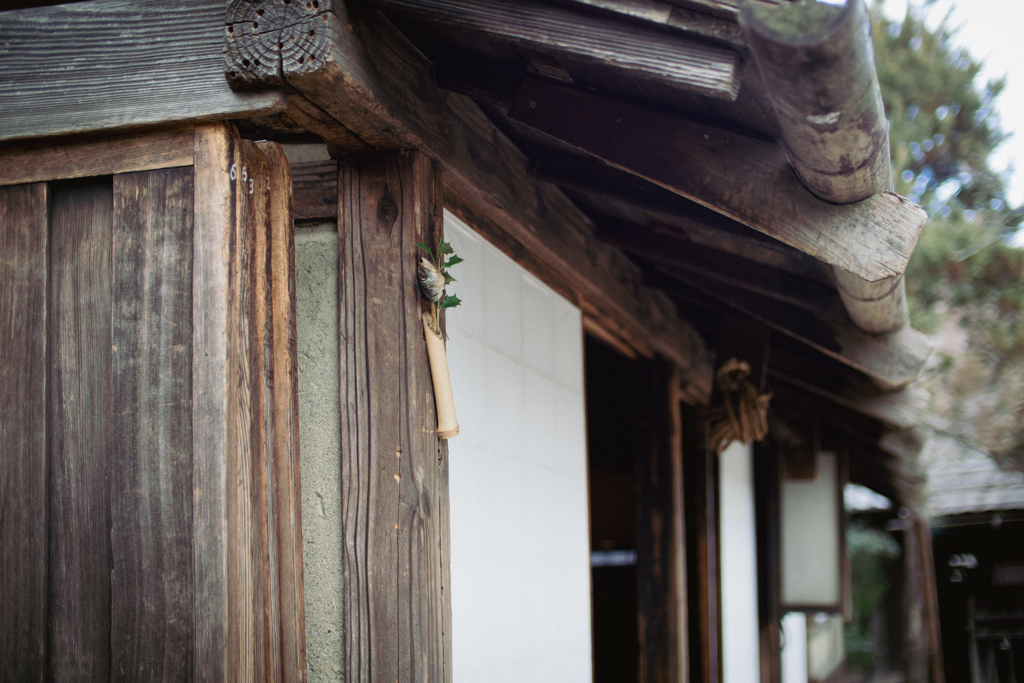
column 210, row 216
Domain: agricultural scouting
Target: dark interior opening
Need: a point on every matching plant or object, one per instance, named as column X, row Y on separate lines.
column 609, row 377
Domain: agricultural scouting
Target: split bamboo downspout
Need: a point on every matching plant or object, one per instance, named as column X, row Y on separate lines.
column 818, row 65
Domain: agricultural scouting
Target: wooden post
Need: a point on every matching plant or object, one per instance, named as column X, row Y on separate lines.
column 394, row 472
column 818, row 65
column 657, row 463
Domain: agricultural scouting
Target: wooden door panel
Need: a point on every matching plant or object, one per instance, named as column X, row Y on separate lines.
column 152, row 610
column 23, row 499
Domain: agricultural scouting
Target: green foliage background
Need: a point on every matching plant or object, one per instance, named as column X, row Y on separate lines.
column 965, row 284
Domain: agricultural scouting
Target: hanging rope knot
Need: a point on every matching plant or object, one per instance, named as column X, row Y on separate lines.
column 743, row 415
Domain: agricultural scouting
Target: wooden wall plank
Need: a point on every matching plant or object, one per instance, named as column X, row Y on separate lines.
column 23, row 458
column 152, row 612
column 128, row 63
column 214, row 219
column 392, row 489
column 79, row 412
column 79, row 158
column 286, row 469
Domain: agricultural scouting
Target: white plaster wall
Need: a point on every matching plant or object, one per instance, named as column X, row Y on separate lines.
column 794, row 648
column 741, row 661
column 517, row 475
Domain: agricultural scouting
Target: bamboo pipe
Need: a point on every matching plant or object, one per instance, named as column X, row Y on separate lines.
column 817, row 62
column 447, row 424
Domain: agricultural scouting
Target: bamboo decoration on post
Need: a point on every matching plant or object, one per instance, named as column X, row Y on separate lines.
column 744, row 414
column 432, row 276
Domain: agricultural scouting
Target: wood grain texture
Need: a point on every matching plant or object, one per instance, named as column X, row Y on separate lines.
column 285, row 387
column 23, row 426
column 34, row 162
column 746, row 179
column 624, row 49
column 315, row 190
column 375, row 83
column 268, row 605
column 80, row 443
column 214, row 220
column 125, row 63
column 152, row 610
column 394, row 499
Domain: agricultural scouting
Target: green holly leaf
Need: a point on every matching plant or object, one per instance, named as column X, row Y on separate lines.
column 454, row 259
column 444, row 248
column 450, row 302
column 427, row 249
column 448, row 279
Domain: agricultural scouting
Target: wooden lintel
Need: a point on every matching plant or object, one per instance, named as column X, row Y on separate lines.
column 92, row 156
column 360, row 70
column 562, row 36
column 94, row 66
column 891, row 361
column 747, row 179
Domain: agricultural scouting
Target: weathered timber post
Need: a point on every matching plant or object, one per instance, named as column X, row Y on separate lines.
column 657, row 468
column 818, row 65
column 394, row 468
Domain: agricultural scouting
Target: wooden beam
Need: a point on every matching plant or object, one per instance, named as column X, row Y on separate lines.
column 744, row 178
column 364, row 73
column 565, row 36
column 111, row 65
column 891, row 361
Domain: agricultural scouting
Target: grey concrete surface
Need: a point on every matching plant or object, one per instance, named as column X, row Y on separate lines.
column 316, row 264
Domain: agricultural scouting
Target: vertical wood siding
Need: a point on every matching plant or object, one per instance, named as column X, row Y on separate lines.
column 79, row 406
column 23, row 487
column 149, row 525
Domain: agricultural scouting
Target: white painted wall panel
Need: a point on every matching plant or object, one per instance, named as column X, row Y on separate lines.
column 741, row 660
column 518, row 478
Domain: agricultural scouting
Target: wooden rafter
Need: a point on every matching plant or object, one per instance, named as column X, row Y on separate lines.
column 891, row 361
column 556, row 37
column 744, row 178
